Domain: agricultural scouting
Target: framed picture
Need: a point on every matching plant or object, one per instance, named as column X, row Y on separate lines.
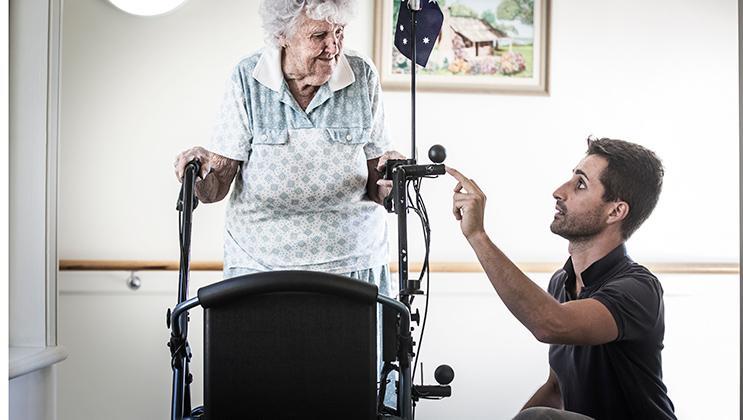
column 484, row 45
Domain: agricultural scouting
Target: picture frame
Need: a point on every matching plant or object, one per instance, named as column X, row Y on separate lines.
column 478, row 50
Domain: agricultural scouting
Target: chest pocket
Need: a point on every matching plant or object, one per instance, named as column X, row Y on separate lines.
column 348, row 136
column 271, row 136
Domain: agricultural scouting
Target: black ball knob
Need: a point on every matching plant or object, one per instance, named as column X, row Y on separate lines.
column 444, row 374
column 437, row 153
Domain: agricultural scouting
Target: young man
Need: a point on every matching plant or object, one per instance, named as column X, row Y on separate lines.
column 603, row 313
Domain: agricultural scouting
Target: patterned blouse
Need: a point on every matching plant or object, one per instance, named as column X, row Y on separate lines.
column 299, row 201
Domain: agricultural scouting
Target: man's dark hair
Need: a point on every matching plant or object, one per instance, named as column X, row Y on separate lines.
column 634, row 174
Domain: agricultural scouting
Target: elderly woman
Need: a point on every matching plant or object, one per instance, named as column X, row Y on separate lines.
column 301, row 133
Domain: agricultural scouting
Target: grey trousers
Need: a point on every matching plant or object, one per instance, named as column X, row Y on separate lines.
column 546, row 413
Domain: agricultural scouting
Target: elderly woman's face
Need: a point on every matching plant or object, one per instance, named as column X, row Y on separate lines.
column 314, row 48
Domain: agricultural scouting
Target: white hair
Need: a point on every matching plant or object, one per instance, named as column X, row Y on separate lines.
column 280, row 16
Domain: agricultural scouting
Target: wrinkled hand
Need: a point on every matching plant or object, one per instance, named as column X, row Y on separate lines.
column 199, row 153
column 385, row 185
column 216, row 173
column 468, row 204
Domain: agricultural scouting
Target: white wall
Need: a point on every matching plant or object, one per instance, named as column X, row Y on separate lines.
column 28, row 118
column 34, row 396
column 135, row 91
column 32, row 180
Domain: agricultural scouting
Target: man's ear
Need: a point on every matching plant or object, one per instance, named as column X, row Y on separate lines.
column 618, row 212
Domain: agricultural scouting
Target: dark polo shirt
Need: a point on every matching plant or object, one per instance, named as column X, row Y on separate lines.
column 622, row 379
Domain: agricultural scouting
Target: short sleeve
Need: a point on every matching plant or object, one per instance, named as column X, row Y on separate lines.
column 636, row 303
column 379, row 139
column 232, row 136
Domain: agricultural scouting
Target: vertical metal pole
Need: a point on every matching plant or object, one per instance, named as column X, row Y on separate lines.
column 413, row 14
column 401, row 208
column 179, row 382
column 401, row 205
column 405, row 356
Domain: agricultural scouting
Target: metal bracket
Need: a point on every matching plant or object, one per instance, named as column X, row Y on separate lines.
column 134, row 282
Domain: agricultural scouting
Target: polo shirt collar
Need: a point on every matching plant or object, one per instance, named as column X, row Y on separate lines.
column 597, row 271
column 268, row 71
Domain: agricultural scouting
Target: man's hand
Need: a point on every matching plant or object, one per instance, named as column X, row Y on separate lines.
column 385, row 185
column 468, row 205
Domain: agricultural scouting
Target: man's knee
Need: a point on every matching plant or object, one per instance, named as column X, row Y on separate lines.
column 546, row 413
column 534, row 413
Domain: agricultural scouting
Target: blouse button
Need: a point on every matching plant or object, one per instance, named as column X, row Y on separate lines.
column 348, row 137
column 264, row 137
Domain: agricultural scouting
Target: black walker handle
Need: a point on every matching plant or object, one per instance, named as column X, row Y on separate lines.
column 180, row 352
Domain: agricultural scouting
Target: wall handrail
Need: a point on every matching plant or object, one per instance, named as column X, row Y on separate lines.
column 435, row 267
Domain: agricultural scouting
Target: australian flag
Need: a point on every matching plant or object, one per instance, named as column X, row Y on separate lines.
column 428, row 26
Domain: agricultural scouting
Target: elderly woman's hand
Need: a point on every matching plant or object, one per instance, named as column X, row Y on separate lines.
column 222, row 170
column 194, row 153
column 385, row 185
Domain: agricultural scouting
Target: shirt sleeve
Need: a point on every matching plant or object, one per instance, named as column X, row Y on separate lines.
column 636, row 303
column 379, row 140
column 232, row 137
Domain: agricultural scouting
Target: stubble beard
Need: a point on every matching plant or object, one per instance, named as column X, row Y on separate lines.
column 578, row 228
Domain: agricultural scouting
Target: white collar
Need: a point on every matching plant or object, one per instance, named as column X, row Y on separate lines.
column 268, row 71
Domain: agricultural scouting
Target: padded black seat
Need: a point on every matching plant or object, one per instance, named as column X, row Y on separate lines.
column 283, row 345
